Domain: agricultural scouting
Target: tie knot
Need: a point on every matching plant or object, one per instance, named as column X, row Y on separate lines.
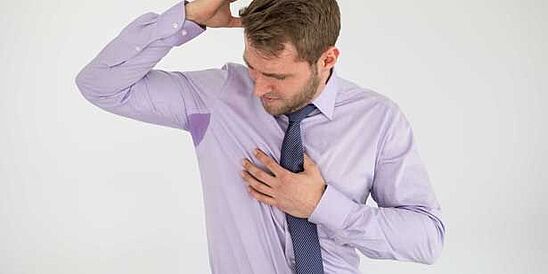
column 298, row 115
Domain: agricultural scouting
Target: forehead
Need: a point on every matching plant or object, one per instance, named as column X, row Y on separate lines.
column 286, row 58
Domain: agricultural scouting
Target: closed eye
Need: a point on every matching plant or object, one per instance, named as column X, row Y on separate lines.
column 276, row 76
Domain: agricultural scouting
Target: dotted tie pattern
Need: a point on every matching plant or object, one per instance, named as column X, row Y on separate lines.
column 304, row 235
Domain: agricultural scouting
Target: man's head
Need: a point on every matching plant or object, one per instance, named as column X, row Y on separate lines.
column 290, row 49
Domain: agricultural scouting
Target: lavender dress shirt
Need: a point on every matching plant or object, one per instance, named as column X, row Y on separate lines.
column 360, row 140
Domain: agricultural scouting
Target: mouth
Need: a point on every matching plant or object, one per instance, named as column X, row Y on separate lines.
column 269, row 99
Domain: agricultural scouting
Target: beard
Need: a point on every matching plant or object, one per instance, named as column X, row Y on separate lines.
column 298, row 101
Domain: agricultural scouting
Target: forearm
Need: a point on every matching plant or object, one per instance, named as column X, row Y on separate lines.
column 405, row 233
column 133, row 53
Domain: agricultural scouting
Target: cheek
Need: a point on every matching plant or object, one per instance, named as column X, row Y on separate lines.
column 288, row 88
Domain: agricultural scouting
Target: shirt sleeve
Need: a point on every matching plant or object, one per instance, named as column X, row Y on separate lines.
column 121, row 78
column 407, row 224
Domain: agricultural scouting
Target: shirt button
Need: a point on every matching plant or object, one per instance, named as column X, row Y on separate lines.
column 184, row 32
column 137, row 48
column 175, row 25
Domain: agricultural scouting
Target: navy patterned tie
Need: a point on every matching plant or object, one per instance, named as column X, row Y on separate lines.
column 308, row 256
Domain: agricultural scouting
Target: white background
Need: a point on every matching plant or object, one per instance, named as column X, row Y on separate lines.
column 85, row 191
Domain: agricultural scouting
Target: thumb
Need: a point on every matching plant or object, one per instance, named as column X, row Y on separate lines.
column 308, row 164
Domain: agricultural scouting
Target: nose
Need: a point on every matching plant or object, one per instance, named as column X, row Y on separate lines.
column 261, row 87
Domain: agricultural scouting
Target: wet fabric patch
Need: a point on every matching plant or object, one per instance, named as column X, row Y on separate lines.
column 198, row 126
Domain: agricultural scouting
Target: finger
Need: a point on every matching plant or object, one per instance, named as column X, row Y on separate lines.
column 258, row 173
column 235, row 22
column 256, row 185
column 270, row 163
column 261, row 197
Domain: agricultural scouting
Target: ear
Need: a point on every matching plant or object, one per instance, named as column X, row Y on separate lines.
column 329, row 58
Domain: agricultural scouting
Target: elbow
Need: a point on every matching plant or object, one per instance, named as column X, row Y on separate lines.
column 435, row 244
column 94, row 86
column 83, row 84
column 435, row 254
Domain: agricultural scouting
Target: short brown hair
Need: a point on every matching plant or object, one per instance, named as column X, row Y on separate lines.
column 312, row 26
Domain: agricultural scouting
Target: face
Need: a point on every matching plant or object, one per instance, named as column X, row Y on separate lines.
column 282, row 83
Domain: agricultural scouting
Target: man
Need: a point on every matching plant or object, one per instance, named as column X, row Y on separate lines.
column 297, row 203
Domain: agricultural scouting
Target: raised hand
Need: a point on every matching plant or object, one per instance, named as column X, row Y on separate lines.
column 212, row 13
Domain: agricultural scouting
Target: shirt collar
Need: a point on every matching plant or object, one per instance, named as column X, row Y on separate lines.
column 325, row 102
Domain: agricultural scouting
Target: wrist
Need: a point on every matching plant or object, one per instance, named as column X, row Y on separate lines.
column 315, row 201
column 190, row 14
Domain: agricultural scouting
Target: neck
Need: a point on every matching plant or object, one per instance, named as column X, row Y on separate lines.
column 323, row 82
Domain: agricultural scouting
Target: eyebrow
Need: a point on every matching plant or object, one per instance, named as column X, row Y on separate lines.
column 273, row 75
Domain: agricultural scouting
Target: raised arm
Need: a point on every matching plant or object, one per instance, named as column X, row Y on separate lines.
column 121, row 78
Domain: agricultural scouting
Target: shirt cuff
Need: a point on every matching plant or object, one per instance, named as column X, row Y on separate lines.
column 178, row 29
column 168, row 29
column 332, row 209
